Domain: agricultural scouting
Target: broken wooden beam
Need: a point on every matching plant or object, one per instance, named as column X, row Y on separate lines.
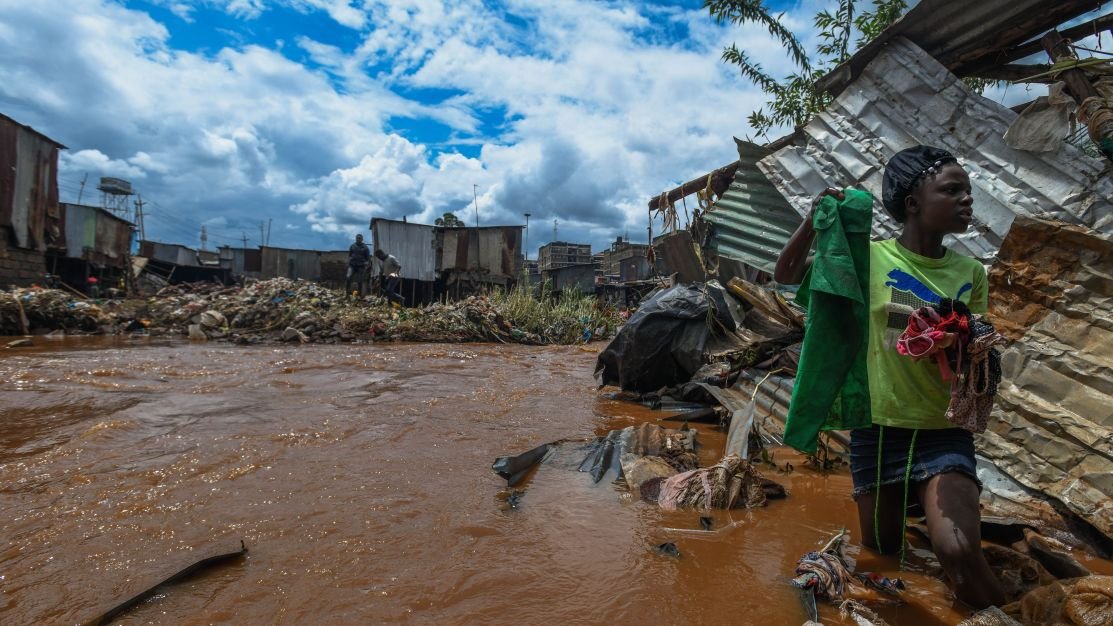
column 720, row 180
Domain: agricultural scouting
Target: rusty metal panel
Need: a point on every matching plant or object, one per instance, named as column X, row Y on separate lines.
column 905, row 97
column 1054, row 427
column 113, row 239
column 676, row 254
column 29, row 185
column 962, row 35
column 8, row 133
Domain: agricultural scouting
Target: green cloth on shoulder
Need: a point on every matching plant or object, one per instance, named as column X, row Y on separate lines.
column 832, row 381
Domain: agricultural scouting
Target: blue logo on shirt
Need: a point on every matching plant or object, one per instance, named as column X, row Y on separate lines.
column 903, row 281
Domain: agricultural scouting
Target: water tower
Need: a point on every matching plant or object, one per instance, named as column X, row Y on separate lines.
column 114, row 195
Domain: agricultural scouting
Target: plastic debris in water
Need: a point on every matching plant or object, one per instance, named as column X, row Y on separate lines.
column 668, row 549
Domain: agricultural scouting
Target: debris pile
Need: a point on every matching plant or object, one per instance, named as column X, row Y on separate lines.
column 281, row 309
column 22, row 310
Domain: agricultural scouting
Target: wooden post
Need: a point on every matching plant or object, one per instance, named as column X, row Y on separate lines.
column 1059, row 49
column 1096, row 111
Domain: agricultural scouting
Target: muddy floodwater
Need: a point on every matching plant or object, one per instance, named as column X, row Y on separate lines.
column 359, row 478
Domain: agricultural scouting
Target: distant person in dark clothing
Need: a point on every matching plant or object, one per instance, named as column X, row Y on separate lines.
column 359, row 255
column 391, row 270
column 93, row 287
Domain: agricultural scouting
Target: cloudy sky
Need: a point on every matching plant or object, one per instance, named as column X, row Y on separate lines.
column 321, row 114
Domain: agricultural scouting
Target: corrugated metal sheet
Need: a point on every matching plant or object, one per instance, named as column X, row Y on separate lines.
column 752, row 221
column 493, row 251
column 963, row 35
column 905, row 97
column 95, row 235
column 1054, row 426
column 411, row 244
column 28, row 184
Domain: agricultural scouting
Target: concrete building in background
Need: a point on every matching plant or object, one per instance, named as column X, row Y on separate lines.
column 557, row 254
column 625, row 261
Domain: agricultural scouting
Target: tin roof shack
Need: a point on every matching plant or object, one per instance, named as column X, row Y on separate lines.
column 97, row 243
column 579, row 277
column 415, row 247
column 454, row 261
column 313, row 265
column 242, row 262
column 470, row 260
column 30, row 219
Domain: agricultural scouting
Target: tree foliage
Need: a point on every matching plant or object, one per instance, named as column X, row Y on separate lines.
column 793, row 98
column 449, row 220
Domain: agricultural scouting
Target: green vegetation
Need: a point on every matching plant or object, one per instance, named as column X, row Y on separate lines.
column 560, row 319
column 794, row 99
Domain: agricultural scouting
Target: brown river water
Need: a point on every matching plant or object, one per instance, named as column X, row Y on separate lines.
column 359, row 478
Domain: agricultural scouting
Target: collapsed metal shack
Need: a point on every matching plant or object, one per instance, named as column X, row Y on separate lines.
column 1043, row 225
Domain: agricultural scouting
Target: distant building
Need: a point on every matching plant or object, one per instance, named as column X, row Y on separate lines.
column 625, row 261
column 557, row 254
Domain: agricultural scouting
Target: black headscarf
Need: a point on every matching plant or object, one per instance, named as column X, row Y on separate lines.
column 904, row 170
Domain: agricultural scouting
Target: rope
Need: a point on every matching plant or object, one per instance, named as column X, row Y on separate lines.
column 904, row 509
column 877, row 492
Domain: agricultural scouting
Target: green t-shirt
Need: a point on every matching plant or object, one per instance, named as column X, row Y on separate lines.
column 903, row 392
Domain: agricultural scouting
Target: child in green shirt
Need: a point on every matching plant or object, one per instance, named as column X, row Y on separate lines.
column 912, row 450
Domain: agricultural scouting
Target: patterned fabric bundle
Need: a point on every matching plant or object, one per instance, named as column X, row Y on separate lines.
column 963, row 345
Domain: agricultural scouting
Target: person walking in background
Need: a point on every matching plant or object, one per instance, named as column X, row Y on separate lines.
column 359, row 255
column 390, row 270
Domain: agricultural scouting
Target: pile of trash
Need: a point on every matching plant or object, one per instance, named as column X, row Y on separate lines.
column 25, row 310
column 281, row 309
column 699, row 332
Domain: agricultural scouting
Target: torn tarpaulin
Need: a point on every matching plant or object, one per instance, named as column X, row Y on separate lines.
column 605, row 454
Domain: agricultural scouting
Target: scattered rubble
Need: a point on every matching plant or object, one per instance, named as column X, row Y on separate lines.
column 295, row 310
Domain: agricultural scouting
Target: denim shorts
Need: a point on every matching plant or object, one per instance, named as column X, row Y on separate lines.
column 937, row 451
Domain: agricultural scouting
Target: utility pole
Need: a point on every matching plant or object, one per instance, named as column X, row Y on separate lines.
column 475, row 197
column 82, row 190
column 204, row 237
column 554, row 229
column 269, row 231
column 262, row 234
column 244, row 239
column 527, row 236
column 138, row 215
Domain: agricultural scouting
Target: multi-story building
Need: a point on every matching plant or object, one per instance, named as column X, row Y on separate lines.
column 559, row 254
column 626, row 261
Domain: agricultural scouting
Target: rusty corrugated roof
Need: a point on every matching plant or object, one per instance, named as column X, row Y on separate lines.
column 962, row 35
